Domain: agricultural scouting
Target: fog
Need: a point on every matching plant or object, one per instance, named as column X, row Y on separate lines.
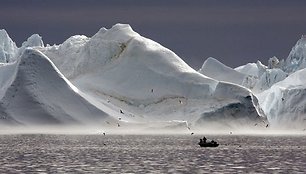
column 149, row 129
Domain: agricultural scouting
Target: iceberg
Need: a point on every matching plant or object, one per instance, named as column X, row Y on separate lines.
column 284, row 103
column 118, row 77
column 119, row 67
column 283, row 100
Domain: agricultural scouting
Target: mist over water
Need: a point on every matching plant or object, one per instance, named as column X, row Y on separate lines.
column 150, row 148
column 32, row 153
column 153, row 128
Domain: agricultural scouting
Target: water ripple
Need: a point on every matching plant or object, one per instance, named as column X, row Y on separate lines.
column 150, row 154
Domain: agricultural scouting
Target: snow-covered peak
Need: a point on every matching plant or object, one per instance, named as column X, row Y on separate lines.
column 33, row 41
column 74, row 42
column 261, row 68
column 296, row 59
column 8, row 48
column 249, row 69
column 129, row 66
column 119, row 33
column 4, row 37
column 80, row 54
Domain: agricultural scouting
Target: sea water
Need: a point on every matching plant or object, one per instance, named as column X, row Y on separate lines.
column 151, row 154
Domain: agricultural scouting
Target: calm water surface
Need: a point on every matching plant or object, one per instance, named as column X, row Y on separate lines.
column 151, row 154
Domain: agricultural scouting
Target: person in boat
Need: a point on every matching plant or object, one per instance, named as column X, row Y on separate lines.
column 204, row 139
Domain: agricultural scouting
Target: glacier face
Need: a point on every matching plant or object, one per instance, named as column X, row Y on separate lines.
column 118, row 76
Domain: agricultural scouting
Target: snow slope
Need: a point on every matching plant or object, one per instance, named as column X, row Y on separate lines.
column 39, row 94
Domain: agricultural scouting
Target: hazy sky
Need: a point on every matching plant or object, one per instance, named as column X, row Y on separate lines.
column 233, row 31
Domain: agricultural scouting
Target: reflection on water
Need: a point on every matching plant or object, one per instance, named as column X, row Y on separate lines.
column 150, row 154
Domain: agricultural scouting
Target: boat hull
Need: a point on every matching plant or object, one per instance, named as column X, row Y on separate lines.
column 209, row 144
